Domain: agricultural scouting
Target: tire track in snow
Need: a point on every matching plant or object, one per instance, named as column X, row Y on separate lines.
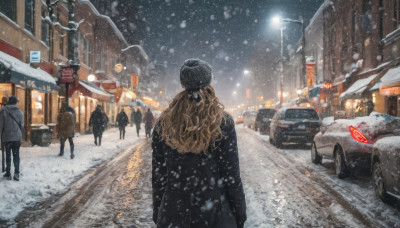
column 294, row 199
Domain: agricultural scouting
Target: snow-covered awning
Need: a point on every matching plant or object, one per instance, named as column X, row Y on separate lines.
column 13, row 70
column 90, row 90
column 356, row 90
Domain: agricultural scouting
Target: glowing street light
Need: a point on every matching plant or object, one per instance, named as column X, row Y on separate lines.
column 234, row 92
column 276, row 21
column 91, row 77
column 246, row 72
column 238, row 84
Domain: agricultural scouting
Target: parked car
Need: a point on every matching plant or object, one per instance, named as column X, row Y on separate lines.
column 263, row 120
column 386, row 167
column 249, row 117
column 297, row 124
column 239, row 119
column 349, row 142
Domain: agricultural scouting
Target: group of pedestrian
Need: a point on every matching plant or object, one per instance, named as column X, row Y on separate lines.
column 137, row 119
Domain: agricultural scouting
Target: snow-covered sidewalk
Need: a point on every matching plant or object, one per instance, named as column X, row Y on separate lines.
column 44, row 173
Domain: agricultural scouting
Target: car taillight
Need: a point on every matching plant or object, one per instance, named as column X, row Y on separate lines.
column 357, row 135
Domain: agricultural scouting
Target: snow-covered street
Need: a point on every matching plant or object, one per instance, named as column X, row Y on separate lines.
column 283, row 188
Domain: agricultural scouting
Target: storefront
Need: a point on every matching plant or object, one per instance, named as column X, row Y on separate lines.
column 35, row 89
column 84, row 97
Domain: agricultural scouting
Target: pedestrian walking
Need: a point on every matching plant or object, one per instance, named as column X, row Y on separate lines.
column 138, row 120
column 66, row 128
column 4, row 101
column 148, row 123
column 195, row 168
column 132, row 117
column 122, row 121
column 11, row 127
column 98, row 123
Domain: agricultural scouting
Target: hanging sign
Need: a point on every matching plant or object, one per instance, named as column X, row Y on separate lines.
column 67, row 75
column 34, row 57
column 310, row 72
column 118, row 67
column 134, row 80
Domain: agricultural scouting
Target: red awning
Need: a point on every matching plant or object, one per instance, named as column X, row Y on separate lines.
column 90, row 90
column 111, row 86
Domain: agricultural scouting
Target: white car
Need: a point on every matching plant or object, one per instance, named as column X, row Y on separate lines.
column 349, row 142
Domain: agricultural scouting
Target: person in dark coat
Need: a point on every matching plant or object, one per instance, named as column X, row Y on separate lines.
column 66, row 128
column 195, row 167
column 138, row 120
column 122, row 121
column 98, row 123
column 11, row 124
column 148, row 123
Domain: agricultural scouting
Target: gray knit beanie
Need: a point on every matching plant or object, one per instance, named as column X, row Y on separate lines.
column 195, row 74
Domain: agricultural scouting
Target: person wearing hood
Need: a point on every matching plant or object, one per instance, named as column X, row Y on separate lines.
column 148, row 123
column 122, row 121
column 11, row 129
column 138, row 120
column 66, row 128
column 98, row 122
column 195, row 166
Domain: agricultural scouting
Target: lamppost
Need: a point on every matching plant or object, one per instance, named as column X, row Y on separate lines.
column 277, row 22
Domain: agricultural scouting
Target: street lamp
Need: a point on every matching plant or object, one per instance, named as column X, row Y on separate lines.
column 277, row 21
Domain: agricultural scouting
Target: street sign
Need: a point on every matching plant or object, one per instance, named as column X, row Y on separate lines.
column 134, row 80
column 34, row 57
column 67, row 75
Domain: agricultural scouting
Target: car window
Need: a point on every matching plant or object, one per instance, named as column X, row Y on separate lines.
column 265, row 113
column 309, row 114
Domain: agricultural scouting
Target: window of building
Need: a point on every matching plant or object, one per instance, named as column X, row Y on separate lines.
column 396, row 14
column 90, row 53
column 84, row 48
column 30, row 15
column 105, row 62
column 37, row 107
column 45, row 27
column 332, row 40
column 62, row 43
column 99, row 61
column 9, row 8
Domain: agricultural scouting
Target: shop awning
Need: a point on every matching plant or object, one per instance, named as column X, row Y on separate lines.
column 13, row 70
column 111, row 86
column 314, row 92
column 90, row 90
column 356, row 90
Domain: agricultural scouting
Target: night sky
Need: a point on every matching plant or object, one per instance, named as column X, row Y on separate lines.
column 221, row 32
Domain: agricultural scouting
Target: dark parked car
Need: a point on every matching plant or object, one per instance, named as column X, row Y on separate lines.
column 386, row 167
column 349, row 141
column 297, row 125
column 263, row 120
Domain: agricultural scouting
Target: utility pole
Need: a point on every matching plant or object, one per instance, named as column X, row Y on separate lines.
column 71, row 40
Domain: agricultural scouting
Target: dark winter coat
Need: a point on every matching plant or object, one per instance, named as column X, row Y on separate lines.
column 9, row 129
column 187, row 188
column 97, row 121
column 66, row 124
column 122, row 119
column 138, row 117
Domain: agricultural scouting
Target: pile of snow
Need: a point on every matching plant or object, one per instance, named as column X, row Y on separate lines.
column 43, row 173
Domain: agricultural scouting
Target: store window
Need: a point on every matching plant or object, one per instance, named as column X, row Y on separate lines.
column 37, row 107
column 9, row 8
column 5, row 91
column 30, row 15
column 53, row 108
column 21, row 99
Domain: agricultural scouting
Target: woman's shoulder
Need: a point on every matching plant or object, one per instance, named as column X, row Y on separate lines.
column 227, row 123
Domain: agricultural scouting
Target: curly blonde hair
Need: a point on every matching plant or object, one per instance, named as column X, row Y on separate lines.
column 192, row 124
